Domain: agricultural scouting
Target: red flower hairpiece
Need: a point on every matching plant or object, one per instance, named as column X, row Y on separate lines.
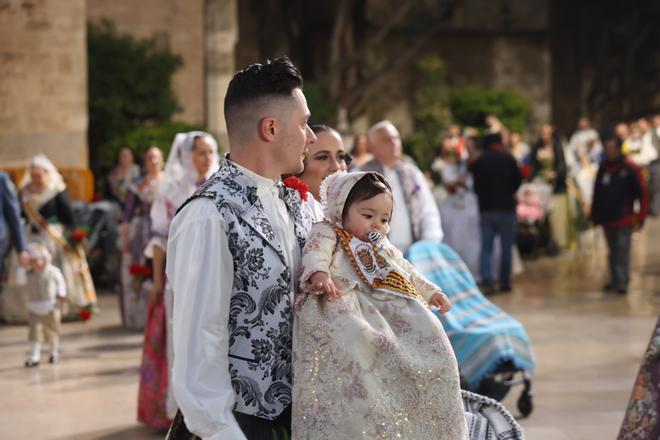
column 294, row 183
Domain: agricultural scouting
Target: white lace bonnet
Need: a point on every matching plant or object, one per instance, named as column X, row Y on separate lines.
column 334, row 192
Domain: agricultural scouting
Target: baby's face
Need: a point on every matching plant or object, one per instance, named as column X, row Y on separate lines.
column 369, row 215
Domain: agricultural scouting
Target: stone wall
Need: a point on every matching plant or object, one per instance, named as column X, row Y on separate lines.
column 43, row 82
column 221, row 39
column 176, row 24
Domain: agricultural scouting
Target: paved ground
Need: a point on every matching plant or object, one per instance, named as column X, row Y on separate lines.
column 588, row 346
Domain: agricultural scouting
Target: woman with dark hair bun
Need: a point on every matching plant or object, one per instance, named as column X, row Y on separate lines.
column 324, row 157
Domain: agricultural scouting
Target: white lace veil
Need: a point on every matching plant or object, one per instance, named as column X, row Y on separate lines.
column 55, row 180
column 179, row 165
column 180, row 177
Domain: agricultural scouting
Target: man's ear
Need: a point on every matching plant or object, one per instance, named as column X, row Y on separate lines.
column 267, row 129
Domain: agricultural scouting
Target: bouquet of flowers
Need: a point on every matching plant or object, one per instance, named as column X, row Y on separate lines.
column 78, row 235
column 140, row 274
column 87, row 311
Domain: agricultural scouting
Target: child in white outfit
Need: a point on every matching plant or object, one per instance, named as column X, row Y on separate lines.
column 45, row 287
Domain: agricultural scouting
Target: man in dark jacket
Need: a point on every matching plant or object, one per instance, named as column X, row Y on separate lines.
column 496, row 180
column 619, row 183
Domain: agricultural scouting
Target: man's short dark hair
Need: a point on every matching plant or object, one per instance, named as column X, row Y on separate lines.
column 259, row 80
column 490, row 140
column 608, row 134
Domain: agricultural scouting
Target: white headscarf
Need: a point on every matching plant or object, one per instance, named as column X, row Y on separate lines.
column 54, row 182
column 180, row 177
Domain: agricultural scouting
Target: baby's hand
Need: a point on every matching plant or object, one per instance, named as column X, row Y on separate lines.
column 321, row 282
column 440, row 300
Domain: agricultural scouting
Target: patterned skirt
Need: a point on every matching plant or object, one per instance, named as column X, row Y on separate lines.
column 152, row 395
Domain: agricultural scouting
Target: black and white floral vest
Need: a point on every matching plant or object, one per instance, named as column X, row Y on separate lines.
column 260, row 315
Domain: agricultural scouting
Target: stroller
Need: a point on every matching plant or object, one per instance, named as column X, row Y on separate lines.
column 533, row 230
column 492, row 349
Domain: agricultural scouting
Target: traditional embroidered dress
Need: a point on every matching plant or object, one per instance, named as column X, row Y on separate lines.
column 156, row 404
column 374, row 363
column 134, row 281
column 642, row 419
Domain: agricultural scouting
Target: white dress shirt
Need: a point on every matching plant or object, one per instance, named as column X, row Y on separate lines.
column 200, row 270
column 400, row 226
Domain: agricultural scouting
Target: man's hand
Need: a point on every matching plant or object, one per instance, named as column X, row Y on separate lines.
column 440, row 300
column 321, row 282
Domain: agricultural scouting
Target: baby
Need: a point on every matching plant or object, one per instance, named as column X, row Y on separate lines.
column 366, row 217
column 371, row 360
column 45, row 287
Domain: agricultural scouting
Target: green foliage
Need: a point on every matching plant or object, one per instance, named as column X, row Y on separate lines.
column 470, row 104
column 430, row 112
column 129, row 83
column 141, row 138
column 323, row 109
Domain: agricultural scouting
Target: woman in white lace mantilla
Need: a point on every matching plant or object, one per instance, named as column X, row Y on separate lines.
column 370, row 358
column 192, row 160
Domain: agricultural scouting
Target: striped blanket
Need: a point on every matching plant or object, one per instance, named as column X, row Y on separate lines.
column 482, row 335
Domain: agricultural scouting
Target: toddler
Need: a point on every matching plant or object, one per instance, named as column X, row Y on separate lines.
column 370, row 358
column 45, row 287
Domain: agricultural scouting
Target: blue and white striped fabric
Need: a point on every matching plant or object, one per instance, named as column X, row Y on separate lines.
column 482, row 335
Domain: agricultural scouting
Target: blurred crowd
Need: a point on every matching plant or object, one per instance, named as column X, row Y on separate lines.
column 490, row 196
column 554, row 201
column 547, row 209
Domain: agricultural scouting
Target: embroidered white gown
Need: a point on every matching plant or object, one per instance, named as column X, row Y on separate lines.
column 371, row 364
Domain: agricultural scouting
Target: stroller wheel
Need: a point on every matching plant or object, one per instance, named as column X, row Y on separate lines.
column 525, row 402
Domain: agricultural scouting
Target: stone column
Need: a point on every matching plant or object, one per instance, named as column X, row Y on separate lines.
column 43, row 82
column 221, row 38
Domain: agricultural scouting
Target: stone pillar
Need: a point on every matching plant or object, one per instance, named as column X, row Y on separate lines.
column 523, row 64
column 174, row 24
column 43, row 82
column 221, row 38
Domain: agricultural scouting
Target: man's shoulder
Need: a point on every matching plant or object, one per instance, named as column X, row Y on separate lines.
column 226, row 191
column 490, row 156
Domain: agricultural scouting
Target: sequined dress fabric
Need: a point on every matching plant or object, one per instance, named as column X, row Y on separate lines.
column 370, row 364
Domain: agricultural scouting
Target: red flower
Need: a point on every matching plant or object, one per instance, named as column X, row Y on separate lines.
column 78, row 235
column 139, row 270
column 97, row 198
column 297, row 184
column 85, row 314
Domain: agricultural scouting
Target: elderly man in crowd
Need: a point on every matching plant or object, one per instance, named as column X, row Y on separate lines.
column 415, row 215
